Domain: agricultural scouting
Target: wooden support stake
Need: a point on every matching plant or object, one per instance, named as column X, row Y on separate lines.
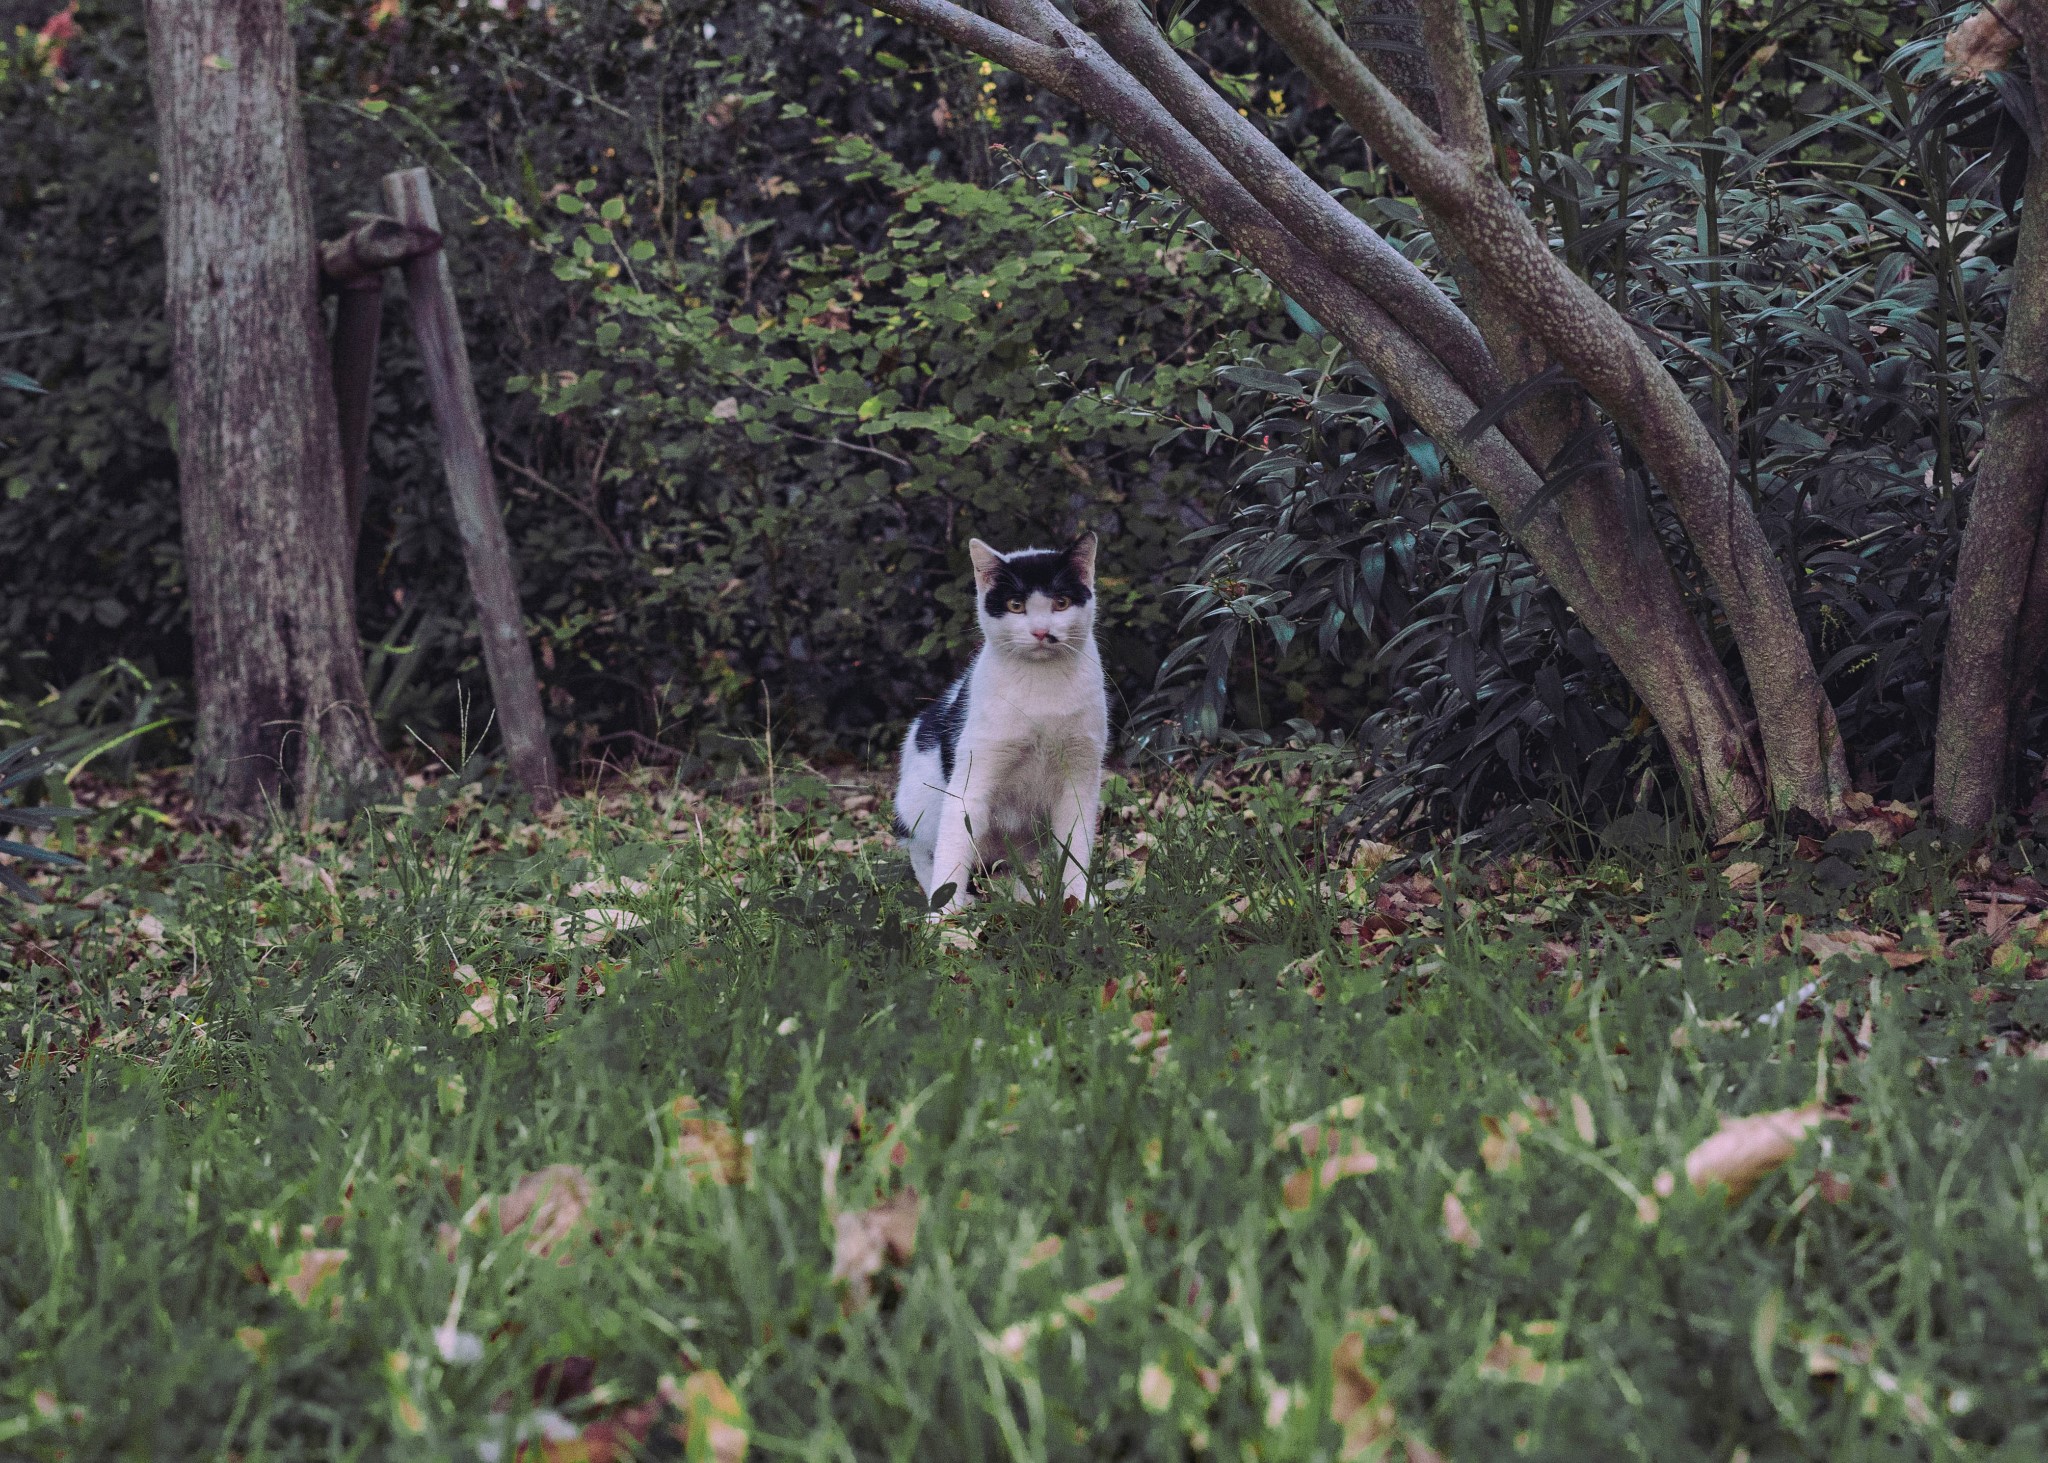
column 357, row 315
column 445, row 360
column 373, row 246
column 354, row 264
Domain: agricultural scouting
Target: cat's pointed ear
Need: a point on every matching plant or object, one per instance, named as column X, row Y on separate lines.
column 1081, row 554
column 986, row 562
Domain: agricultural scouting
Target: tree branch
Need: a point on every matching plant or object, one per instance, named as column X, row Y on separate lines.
column 1342, row 239
column 1028, row 58
column 1414, row 149
column 1454, row 68
column 1593, row 341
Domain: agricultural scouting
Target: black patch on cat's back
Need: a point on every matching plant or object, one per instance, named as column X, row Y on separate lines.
column 1050, row 572
column 939, row 725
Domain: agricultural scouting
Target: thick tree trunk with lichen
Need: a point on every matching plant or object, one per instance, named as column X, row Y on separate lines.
column 283, row 718
column 1993, row 651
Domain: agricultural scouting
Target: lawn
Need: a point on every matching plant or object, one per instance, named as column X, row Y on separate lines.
column 670, row 1127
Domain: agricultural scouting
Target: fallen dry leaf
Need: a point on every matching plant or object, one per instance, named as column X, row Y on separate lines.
column 1745, row 1149
column 1341, row 1154
column 1082, row 1303
column 1845, row 942
column 709, row 1150
column 714, row 1422
column 1500, row 1150
column 554, row 1201
column 302, row 1274
column 1155, row 1387
column 863, row 1240
column 1582, row 1120
column 607, row 888
column 1457, row 1228
column 1356, row 1403
column 482, row 1014
column 1984, row 43
column 595, row 926
column 1369, row 855
column 1997, row 917
column 1742, row 876
column 1509, row 1360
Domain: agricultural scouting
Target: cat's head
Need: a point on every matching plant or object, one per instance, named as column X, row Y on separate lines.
column 1036, row 604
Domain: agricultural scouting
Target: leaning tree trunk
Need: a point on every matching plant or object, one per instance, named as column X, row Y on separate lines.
column 283, row 718
column 1453, row 175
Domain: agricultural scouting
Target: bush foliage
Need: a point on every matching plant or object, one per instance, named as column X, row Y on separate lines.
column 690, row 566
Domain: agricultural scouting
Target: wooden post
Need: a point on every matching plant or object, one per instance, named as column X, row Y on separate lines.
column 357, row 315
column 444, row 359
column 354, row 264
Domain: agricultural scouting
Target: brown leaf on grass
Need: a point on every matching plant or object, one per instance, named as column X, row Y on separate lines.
column 1743, row 876
column 709, row 1150
column 303, row 1273
column 1082, row 1303
column 1984, row 43
column 1332, row 1153
column 1745, row 1149
column 1357, row 1404
column 864, row 1240
column 1845, row 942
column 714, row 1422
column 1508, row 1360
column 553, row 1202
column 1996, row 916
column 1148, row 1035
column 1457, row 1227
column 1500, row 1150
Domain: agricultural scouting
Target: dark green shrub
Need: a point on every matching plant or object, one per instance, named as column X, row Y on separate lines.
column 760, row 185
column 1821, row 261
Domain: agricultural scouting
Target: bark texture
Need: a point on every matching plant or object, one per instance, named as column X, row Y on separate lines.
column 283, row 719
column 1453, row 175
column 1993, row 652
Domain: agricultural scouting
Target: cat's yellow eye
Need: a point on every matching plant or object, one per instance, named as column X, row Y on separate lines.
column 1060, row 603
column 1015, row 606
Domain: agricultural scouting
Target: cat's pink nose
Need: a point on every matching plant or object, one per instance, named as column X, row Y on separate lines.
column 1040, row 634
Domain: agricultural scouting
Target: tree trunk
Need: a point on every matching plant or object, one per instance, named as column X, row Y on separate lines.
column 1454, row 176
column 1998, row 615
column 283, row 719
column 1981, row 669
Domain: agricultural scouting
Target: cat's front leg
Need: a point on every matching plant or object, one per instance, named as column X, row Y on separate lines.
column 954, row 858
column 1074, row 815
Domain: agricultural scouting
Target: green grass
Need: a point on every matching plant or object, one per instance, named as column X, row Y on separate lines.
column 233, row 1056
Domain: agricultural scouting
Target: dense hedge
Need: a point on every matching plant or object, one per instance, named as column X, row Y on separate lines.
column 859, row 338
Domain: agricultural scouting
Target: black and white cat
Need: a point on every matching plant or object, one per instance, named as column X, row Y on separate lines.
column 1008, row 763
